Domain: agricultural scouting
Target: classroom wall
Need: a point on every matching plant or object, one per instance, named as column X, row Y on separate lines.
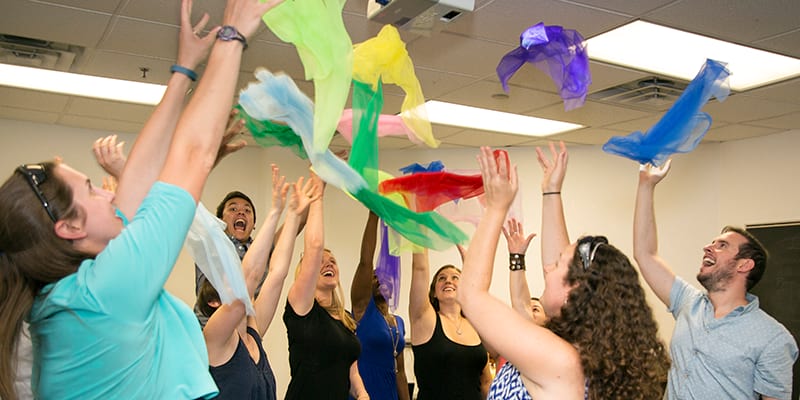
column 740, row 182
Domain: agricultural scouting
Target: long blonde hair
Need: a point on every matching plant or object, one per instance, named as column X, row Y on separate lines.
column 336, row 308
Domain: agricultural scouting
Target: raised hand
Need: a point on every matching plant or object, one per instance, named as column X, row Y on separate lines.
column 245, row 15
column 109, row 155
column 515, row 237
column 554, row 168
column 234, row 129
column 193, row 48
column 279, row 189
column 652, row 175
column 499, row 180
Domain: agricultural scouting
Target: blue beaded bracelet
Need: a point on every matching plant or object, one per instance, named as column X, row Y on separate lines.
column 183, row 70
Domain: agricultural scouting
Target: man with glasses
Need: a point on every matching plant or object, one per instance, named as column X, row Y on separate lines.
column 723, row 345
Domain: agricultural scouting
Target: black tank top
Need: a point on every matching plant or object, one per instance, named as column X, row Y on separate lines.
column 446, row 370
column 241, row 379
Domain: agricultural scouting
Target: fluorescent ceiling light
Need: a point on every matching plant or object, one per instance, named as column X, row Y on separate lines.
column 658, row 49
column 497, row 121
column 80, row 85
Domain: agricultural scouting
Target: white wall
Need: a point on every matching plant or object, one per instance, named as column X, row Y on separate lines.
column 741, row 182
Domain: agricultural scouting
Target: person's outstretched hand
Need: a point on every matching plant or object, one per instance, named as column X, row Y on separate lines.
column 499, row 179
column 193, row 46
column 109, row 155
column 553, row 168
column 515, row 237
column 651, row 175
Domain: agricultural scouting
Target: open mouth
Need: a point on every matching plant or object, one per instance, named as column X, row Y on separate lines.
column 240, row 224
column 708, row 262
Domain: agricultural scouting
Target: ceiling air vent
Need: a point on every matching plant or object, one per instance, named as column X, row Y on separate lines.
column 653, row 93
column 27, row 52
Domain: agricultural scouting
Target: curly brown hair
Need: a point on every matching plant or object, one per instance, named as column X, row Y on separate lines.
column 608, row 319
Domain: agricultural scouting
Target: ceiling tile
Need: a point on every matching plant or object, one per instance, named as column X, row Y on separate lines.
column 128, row 67
column 169, row 12
column 740, row 108
column 454, row 54
column 632, row 8
column 437, row 83
column 482, row 94
column 787, row 92
column 51, row 22
column 736, row 131
column 445, row 131
column 591, row 114
column 723, row 19
column 103, row 6
column 787, row 44
column 504, row 20
column 274, row 57
column 142, row 38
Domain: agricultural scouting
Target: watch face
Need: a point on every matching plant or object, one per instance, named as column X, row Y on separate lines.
column 227, row 33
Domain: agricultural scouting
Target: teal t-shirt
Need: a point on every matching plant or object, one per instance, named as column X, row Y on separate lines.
column 110, row 330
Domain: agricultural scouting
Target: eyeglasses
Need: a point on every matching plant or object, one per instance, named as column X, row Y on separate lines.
column 35, row 175
column 587, row 247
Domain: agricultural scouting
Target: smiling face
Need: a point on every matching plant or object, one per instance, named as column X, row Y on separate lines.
column 100, row 222
column 239, row 218
column 328, row 271
column 444, row 286
column 719, row 266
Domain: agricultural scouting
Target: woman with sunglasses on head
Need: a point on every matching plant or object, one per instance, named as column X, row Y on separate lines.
column 601, row 340
column 90, row 282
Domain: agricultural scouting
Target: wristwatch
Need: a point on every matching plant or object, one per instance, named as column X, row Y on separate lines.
column 228, row 33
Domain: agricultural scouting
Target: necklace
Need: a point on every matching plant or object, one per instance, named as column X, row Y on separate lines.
column 458, row 324
column 395, row 335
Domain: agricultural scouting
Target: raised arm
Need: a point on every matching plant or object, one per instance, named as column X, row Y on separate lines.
column 267, row 301
column 301, row 294
column 199, row 131
column 255, row 260
column 149, row 151
column 420, row 310
column 554, row 227
column 654, row 269
column 540, row 355
column 517, row 282
column 361, row 289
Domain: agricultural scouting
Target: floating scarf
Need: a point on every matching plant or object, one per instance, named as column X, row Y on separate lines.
column 560, row 53
column 682, row 127
column 216, row 256
column 317, row 30
column 385, row 58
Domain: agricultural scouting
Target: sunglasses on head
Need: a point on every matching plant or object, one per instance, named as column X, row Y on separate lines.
column 587, row 247
column 36, row 175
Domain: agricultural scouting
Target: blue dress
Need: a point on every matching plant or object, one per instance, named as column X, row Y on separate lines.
column 379, row 344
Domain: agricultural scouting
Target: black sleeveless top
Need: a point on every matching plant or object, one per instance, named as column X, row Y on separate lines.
column 241, row 379
column 446, row 370
column 321, row 351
